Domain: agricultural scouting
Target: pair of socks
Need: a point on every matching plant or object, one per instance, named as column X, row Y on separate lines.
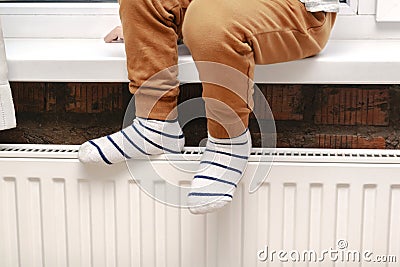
column 221, row 166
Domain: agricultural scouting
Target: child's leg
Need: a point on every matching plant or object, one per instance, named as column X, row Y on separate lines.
column 240, row 34
column 151, row 30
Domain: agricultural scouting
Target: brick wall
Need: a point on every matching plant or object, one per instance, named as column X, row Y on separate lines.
column 329, row 116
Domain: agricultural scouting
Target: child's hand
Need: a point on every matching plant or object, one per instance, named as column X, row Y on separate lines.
column 116, row 35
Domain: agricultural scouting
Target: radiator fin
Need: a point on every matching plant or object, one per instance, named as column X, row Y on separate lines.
column 342, row 212
column 135, row 226
column 110, row 224
column 369, row 216
column 9, row 246
column 85, row 224
column 394, row 227
column 54, row 222
column 30, row 221
column 316, row 195
column 289, row 215
column 160, row 227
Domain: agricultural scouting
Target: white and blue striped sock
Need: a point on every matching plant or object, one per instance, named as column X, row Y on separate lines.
column 221, row 168
column 143, row 138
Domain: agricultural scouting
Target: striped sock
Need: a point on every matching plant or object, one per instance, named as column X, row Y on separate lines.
column 221, row 168
column 143, row 138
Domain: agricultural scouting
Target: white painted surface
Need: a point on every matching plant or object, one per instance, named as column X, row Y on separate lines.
column 93, row 21
column 65, row 60
column 367, row 7
column 62, row 42
column 57, row 212
column 59, row 8
column 364, row 27
column 343, row 61
column 58, row 26
column 388, row 11
column 75, row 20
column 58, row 20
column 349, row 8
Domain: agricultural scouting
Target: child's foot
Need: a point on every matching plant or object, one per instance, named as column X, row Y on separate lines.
column 143, row 138
column 221, row 168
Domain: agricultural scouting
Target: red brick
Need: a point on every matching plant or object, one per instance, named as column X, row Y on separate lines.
column 29, row 97
column 349, row 141
column 285, row 101
column 51, row 97
column 94, row 97
column 352, row 106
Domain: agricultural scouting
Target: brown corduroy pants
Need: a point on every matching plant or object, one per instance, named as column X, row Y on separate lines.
column 234, row 34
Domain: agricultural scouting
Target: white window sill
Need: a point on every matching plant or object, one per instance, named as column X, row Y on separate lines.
column 92, row 60
column 94, row 20
column 388, row 11
column 92, row 8
column 59, row 8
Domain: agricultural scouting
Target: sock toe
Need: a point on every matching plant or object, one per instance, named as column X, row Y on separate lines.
column 208, row 207
column 88, row 154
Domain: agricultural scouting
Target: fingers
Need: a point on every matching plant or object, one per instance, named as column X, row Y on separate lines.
column 116, row 35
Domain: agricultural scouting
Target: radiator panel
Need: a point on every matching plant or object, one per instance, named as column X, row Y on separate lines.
column 56, row 212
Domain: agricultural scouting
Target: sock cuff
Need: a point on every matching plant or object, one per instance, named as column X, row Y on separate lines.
column 241, row 139
column 165, row 128
column 156, row 120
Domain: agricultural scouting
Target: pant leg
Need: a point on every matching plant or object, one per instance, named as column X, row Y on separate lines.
column 151, row 29
column 240, row 34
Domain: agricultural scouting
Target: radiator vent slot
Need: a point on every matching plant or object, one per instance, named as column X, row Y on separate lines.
column 194, row 153
column 43, row 150
column 387, row 154
column 301, row 152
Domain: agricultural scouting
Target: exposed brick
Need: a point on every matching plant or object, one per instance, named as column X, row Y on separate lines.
column 285, row 101
column 95, row 97
column 29, row 97
column 349, row 141
column 70, row 97
column 352, row 106
column 57, row 95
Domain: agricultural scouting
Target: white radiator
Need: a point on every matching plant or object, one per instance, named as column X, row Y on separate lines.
column 56, row 212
